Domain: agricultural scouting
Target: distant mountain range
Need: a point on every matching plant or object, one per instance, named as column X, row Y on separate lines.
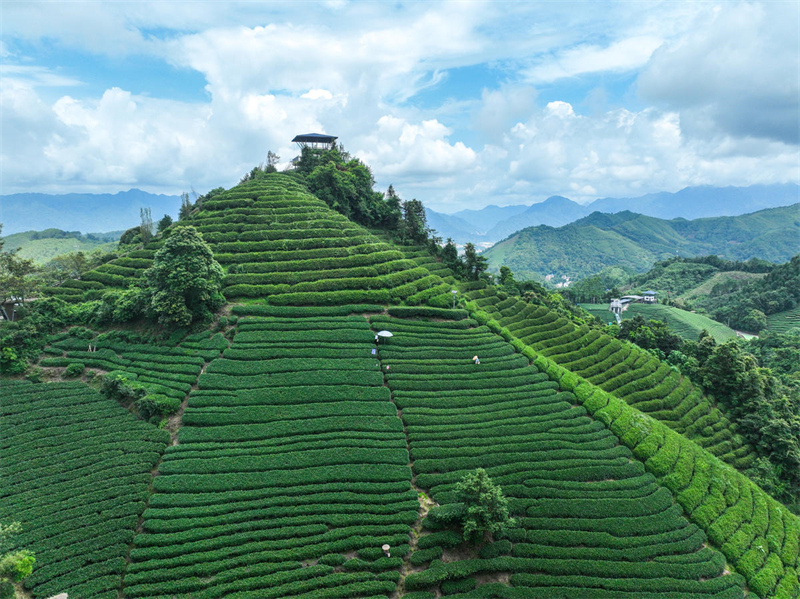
column 83, row 212
column 493, row 223
column 636, row 241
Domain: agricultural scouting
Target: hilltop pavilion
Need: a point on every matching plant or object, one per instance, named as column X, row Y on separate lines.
column 315, row 141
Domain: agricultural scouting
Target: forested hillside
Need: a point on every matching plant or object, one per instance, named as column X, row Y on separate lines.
column 626, row 239
column 310, row 432
column 744, row 295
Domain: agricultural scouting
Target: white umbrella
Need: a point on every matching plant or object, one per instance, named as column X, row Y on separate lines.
column 385, row 334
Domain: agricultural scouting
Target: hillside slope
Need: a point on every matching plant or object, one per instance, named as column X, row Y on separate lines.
column 599, row 240
column 686, row 324
column 301, row 452
column 276, row 240
column 42, row 246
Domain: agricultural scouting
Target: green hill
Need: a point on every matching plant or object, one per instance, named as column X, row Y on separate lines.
column 585, row 247
column 276, row 240
column 721, row 278
column 298, row 447
column 43, row 246
column 781, row 322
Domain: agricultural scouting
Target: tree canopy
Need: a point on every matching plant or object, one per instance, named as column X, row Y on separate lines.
column 15, row 565
column 485, row 506
column 185, row 279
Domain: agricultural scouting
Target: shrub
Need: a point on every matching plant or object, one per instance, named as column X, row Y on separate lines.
column 117, row 386
column 463, row 585
column 74, row 369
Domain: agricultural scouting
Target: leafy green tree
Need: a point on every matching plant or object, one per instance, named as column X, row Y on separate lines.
column 185, row 280
column 474, row 263
column 15, row 565
column 732, row 376
column 451, row 258
column 755, row 321
column 393, row 213
column 272, row 162
column 414, row 226
column 485, row 506
column 650, row 334
column 164, row 223
column 17, row 278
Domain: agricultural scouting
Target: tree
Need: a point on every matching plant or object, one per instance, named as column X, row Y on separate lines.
column 474, row 263
column 485, row 506
column 650, row 334
column 14, row 565
column 451, row 259
column 185, row 280
column 164, row 223
column 414, row 226
column 186, row 207
column 755, row 321
column 16, row 277
column 146, row 228
column 272, row 162
column 393, row 212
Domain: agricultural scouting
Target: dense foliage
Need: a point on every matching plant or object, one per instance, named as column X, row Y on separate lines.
column 747, row 306
column 185, row 280
column 485, row 507
column 15, row 564
column 766, row 410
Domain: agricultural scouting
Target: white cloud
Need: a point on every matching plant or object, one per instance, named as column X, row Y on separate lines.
column 737, row 73
column 418, row 152
column 318, row 94
column 36, row 76
column 722, row 93
column 623, row 55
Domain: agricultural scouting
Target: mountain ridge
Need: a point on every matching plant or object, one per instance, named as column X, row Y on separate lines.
column 84, row 212
column 690, row 203
column 588, row 245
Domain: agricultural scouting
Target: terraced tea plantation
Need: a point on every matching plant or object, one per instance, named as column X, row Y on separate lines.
column 783, row 321
column 683, row 323
column 276, row 240
column 305, row 445
column 624, row 370
column 591, row 522
column 290, row 474
column 75, row 472
column 166, row 373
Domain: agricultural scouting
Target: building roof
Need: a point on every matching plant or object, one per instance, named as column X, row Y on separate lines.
column 314, row 137
column 648, row 293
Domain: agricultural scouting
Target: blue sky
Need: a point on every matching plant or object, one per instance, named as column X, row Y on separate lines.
column 458, row 104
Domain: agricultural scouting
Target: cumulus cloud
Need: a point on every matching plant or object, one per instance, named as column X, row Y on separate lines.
column 408, row 150
column 717, row 96
column 736, row 73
